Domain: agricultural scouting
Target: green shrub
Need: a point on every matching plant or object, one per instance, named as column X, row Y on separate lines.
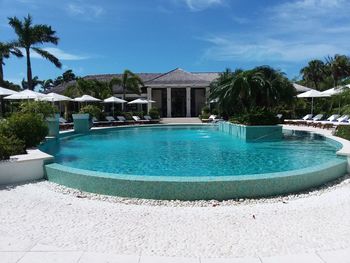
column 28, row 127
column 46, row 109
column 93, row 110
column 343, row 131
column 138, row 113
column 205, row 110
column 256, row 117
column 215, row 112
column 10, row 146
column 154, row 113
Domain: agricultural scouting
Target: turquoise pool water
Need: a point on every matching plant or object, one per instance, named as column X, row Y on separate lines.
column 189, row 151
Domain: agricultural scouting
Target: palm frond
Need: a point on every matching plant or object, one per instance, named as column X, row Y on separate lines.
column 48, row 56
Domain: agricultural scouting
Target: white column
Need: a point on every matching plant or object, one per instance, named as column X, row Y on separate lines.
column 149, row 97
column 168, row 101
column 188, row 102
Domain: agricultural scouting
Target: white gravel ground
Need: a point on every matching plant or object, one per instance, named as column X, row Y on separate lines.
column 54, row 215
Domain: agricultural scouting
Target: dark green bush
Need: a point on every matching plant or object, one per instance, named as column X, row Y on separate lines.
column 256, row 117
column 138, row 113
column 215, row 111
column 343, row 131
column 28, row 127
column 205, row 110
column 10, row 146
column 46, row 109
column 154, row 113
column 93, row 110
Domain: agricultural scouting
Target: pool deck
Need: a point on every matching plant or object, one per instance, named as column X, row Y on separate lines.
column 39, row 224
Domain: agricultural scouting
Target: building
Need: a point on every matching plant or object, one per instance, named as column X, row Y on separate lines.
column 176, row 93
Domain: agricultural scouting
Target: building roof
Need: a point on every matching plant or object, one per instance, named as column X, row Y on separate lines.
column 181, row 78
column 174, row 78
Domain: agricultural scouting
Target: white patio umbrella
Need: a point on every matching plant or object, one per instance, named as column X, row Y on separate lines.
column 312, row 94
column 336, row 91
column 141, row 101
column 114, row 100
column 25, row 95
column 5, row 92
column 53, row 97
column 299, row 88
column 86, row 98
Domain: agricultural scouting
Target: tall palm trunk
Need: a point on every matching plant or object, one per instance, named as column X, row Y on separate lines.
column 1, row 70
column 124, row 95
column 29, row 70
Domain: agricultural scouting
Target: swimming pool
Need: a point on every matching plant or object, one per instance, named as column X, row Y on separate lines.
column 180, row 154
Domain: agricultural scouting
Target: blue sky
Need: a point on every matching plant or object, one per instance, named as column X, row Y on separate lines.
column 197, row 35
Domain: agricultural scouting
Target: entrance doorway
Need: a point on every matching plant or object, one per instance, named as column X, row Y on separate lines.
column 178, row 102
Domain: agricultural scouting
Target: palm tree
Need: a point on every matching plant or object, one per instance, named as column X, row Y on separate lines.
column 339, row 67
column 314, row 72
column 93, row 87
column 243, row 91
column 46, row 84
column 129, row 81
column 29, row 36
column 6, row 49
column 35, row 82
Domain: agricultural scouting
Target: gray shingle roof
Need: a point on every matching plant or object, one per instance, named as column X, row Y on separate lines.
column 174, row 78
column 179, row 77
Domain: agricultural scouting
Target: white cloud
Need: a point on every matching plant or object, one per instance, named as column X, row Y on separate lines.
column 291, row 32
column 60, row 54
column 84, row 10
column 198, row 5
column 268, row 50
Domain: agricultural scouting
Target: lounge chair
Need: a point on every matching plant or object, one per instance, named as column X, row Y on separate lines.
column 97, row 123
column 149, row 118
column 313, row 121
column 123, row 120
column 64, row 124
column 137, row 119
column 301, row 121
column 343, row 120
column 331, row 121
column 210, row 119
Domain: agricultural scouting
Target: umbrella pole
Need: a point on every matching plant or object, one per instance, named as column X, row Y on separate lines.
column 312, row 105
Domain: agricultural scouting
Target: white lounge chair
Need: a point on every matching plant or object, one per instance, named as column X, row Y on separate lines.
column 139, row 120
column 313, row 121
column 300, row 121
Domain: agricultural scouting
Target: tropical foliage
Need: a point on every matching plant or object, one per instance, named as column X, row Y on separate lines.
column 95, row 88
column 322, row 75
column 243, row 91
column 7, row 49
column 10, row 146
column 129, row 81
column 43, row 108
column 93, row 110
column 27, row 127
column 30, row 37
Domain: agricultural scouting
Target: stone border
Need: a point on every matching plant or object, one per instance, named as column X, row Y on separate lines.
column 196, row 188
column 24, row 167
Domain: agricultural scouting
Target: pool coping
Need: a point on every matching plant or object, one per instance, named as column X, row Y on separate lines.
column 198, row 187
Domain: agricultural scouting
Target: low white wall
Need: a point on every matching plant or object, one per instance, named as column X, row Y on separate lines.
column 22, row 168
